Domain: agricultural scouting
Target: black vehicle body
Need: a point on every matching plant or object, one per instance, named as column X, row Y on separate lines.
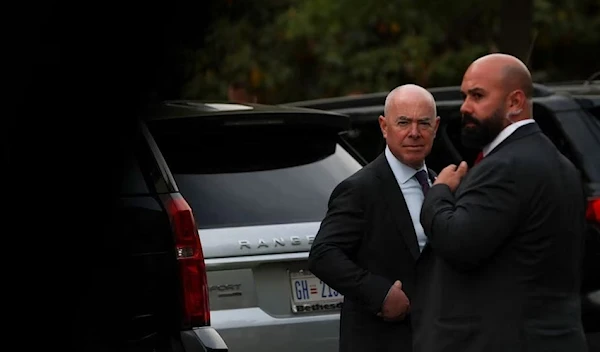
column 153, row 315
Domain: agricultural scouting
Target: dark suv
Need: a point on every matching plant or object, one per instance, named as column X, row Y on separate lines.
column 567, row 113
column 162, row 264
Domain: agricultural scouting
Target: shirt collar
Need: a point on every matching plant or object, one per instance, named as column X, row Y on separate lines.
column 505, row 133
column 402, row 171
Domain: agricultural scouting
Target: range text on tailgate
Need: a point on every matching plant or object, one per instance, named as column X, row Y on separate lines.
column 276, row 242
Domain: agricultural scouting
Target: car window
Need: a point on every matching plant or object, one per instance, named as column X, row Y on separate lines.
column 287, row 195
column 366, row 138
column 583, row 132
column 548, row 122
column 244, row 179
column 595, row 111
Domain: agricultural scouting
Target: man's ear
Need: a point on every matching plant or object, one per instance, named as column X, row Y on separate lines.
column 436, row 124
column 518, row 102
column 383, row 125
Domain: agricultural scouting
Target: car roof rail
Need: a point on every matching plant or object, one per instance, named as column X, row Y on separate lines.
column 444, row 93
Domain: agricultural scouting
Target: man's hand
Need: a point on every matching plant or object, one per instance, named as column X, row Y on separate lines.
column 452, row 175
column 396, row 304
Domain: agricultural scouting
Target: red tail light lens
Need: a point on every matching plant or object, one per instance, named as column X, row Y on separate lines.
column 593, row 211
column 191, row 262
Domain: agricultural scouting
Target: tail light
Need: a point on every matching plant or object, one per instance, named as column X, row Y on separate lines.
column 593, row 210
column 196, row 311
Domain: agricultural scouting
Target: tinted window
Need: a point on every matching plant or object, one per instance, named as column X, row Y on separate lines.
column 293, row 194
column 583, row 134
column 367, row 139
column 595, row 111
column 256, row 177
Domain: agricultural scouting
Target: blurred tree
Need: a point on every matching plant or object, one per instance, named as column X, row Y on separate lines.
column 567, row 45
column 516, row 24
column 242, row 45
column 291, row 49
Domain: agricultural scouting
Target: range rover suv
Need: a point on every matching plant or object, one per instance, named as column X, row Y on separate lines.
column 258, row 179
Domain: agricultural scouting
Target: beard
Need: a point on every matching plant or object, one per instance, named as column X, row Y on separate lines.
column 483, row 131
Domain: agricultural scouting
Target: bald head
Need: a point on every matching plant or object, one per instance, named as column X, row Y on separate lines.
column 409, row 94
column 511, row 73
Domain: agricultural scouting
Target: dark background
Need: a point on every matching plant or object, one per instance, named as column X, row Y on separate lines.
column 79, row 73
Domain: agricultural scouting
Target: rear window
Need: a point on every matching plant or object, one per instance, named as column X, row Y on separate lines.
column 595, row 111
column 256, row 177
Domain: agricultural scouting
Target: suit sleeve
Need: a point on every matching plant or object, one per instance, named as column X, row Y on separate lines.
column 467, row 229
column 335, row 245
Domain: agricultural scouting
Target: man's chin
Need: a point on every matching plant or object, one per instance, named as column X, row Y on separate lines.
column 472, row 142
column 415, row 161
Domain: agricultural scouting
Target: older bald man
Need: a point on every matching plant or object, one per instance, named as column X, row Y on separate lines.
column 503, row 264
column 371, row 237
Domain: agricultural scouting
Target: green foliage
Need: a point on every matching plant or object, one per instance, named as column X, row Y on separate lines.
column 567, row 38
column 302, row 49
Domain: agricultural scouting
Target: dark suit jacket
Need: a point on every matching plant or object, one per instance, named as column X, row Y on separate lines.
column 365, row 243
column 501, row 271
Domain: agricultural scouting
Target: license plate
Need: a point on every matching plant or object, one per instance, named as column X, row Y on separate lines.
column 310, row 294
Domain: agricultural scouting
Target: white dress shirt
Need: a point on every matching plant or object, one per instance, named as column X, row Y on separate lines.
column 507, row 131
column 412, row 191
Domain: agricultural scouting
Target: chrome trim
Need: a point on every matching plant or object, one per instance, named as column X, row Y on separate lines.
column 255, row 317
column 251, row 261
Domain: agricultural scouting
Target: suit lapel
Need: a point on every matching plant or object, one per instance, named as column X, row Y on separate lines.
column 432, row 177
column 519, row 133
column 392, row 194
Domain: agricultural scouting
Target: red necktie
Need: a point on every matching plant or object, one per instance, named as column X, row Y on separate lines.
column 478, row 159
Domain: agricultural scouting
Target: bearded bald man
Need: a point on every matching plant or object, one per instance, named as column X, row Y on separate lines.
column 502, row 268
